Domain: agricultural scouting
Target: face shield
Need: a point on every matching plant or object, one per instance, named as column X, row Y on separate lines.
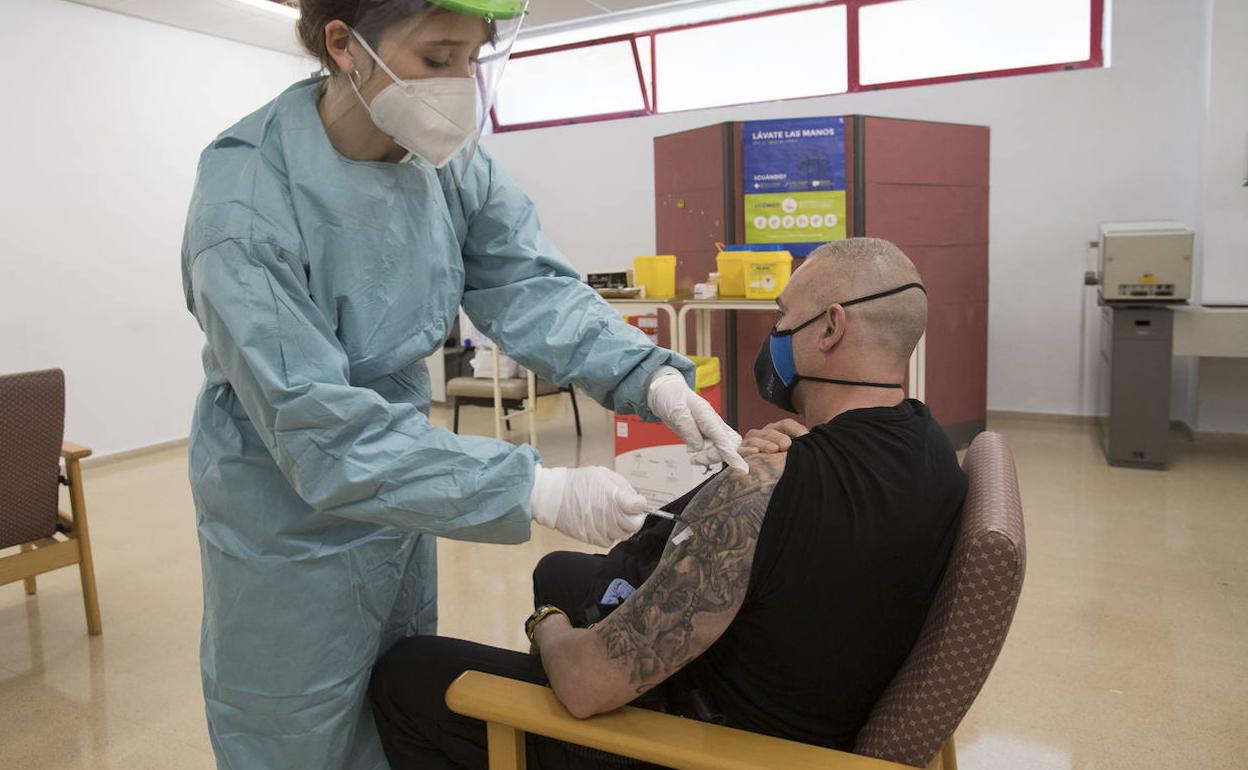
column 430, row 69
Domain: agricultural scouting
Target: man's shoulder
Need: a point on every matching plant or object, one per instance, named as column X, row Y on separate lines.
column 738, row 495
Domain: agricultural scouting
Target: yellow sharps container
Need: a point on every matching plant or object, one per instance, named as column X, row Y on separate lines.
column 730, row 264
column 766, row 273
column 657, row 274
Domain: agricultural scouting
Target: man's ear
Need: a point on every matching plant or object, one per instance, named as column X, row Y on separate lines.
column 834, row 329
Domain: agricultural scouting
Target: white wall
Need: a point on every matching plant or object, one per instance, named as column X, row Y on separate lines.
column 105, row 116
column 1214, row 391
column 1069, row 150
column 1224, row 155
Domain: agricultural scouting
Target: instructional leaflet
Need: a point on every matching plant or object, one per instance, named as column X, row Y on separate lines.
column 795, row 182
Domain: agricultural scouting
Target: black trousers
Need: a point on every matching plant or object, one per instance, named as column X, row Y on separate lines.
column 409, row 684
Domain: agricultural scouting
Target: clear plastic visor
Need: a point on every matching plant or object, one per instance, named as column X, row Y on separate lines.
column 422, row 39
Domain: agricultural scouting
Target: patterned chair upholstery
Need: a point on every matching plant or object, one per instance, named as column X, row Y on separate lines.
column 32, row 422
column 967, row 624
column 32, row 446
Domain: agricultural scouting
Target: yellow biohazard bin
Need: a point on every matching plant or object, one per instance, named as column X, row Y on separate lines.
column 657, row 274
column 707, row 372
column 766, row 273
column 731, row 267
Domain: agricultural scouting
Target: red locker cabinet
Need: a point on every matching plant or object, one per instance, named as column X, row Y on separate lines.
column 919, row 184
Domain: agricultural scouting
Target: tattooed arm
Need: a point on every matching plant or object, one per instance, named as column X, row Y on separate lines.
column 679, row 612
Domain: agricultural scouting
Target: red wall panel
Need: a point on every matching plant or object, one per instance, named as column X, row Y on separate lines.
column 957, row 370
column 922, row 152
column 927, row 214
column 952, row 274
column 927, row 191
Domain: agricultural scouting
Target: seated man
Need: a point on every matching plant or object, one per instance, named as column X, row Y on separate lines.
column 784, row 600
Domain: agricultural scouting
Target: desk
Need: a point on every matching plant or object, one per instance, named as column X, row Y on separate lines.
column 1211, row 332
column 728, row 366
column 639, row 305
column 704, row 308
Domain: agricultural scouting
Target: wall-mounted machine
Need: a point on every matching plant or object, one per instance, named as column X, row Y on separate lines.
column 1146, row 262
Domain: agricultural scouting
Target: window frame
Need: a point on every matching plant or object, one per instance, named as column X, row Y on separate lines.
column 647, row 103
column 651, row 91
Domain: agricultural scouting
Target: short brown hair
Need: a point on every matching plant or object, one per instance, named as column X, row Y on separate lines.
column 379, row 14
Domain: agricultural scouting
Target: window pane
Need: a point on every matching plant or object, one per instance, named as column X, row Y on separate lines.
column 597, row 80
column 787, row 56
column 916, row 39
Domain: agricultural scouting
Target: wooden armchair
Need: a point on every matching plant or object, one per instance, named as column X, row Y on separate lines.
column 511, row 709
column 32, row 424
column 913, row 723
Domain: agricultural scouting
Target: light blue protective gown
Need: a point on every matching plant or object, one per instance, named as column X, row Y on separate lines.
column 321, row 284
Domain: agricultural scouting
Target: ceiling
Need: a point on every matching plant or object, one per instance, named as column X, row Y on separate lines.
column 229, row 19
column 239, row 21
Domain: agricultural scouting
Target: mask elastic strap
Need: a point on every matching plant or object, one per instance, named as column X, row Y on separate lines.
column 880, row 295
column 799, row 327
column 360, row 38
column 884, row 294
column 888, row 385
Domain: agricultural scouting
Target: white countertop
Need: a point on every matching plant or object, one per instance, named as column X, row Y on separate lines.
column 1211, row 332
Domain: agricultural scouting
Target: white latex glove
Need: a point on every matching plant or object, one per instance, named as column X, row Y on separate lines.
column 708, row 437
column 594, row 505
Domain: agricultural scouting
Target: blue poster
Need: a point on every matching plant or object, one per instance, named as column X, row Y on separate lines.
column 795, row 182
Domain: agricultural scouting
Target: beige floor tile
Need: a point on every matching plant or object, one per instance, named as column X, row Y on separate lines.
column 1127, row 651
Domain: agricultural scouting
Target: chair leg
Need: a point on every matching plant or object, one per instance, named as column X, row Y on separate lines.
column 946, row 757
column 949, row 755
column 86, row 562
column 455, row 404
column 505, row 746
column 90, row 595
column 31, row 586
column 576, row 413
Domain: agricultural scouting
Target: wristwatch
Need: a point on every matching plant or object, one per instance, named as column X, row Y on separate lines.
column 540, row 614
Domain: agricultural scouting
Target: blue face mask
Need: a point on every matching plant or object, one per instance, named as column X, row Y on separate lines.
column 775, row 372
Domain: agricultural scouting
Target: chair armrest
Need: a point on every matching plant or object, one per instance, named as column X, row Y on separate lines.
column 72, row 451
column 683, row 744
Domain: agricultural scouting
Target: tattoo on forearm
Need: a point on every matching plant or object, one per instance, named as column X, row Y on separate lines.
column 703, row 573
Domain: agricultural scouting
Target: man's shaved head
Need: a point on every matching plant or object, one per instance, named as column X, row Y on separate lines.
column 857, row 267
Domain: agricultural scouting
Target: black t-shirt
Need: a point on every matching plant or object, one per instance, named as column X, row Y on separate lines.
column 848, row 560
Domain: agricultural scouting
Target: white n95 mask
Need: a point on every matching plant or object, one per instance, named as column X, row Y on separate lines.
column 430, row 117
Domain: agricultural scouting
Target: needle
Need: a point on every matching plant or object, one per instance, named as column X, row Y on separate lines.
column 660, row 514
